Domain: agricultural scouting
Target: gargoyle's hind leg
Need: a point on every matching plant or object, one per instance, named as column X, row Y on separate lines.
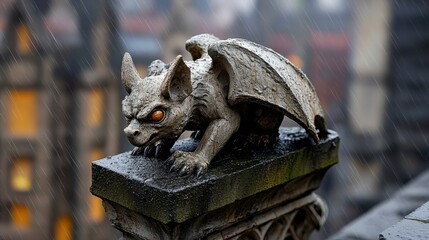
column 261, row 128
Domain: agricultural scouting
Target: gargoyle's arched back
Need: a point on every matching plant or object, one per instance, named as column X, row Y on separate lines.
column 258, row 74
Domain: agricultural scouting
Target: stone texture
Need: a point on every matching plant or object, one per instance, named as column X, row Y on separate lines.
column 406, row 229
column 421, row 214
column 144, row 185
column 414, row 226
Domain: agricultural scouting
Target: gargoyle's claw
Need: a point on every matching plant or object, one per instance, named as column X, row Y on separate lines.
column 137, row 151
column 200, row 171
column 157, row 150
column 147, row 151
column 187, row 163
column 170, row 160
column 184, row 171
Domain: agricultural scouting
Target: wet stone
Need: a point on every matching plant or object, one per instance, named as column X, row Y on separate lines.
column 145, row 186
column 421, row 214
column 414, row 226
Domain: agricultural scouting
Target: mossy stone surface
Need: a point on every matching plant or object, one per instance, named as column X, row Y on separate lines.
column 145, row 185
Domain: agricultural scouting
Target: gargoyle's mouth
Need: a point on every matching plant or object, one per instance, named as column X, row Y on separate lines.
column 149, row 142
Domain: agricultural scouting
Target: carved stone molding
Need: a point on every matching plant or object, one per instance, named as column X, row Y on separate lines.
column 295, row 220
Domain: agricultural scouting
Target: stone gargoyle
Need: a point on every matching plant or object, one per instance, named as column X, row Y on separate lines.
column 233, row 89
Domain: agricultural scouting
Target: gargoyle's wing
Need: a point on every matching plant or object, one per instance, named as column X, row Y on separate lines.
column 258, row 74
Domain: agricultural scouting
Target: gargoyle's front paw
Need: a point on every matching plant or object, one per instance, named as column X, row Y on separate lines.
column 145, row 151
column 188, row 163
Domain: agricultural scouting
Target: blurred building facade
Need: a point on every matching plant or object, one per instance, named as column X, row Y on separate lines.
column 60, row 111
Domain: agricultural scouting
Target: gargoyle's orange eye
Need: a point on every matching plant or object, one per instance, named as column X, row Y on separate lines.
column 157, row 115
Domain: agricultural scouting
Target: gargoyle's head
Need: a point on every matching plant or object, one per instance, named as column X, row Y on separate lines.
column 157, row 106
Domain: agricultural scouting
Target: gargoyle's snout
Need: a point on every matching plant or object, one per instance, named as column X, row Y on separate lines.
column 132, row 132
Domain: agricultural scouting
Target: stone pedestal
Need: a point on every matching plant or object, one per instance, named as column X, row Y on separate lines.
column 244, row 195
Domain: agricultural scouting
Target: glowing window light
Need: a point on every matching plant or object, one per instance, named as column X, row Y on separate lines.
column 23, row 41
column 94, row 113
column 20, row 175
column 22, row 112
column 20, row 215
column 96, row 210
column 63, row 228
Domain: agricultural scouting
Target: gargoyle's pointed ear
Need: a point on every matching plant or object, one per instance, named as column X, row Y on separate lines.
column 129, row 73
column 177, row 84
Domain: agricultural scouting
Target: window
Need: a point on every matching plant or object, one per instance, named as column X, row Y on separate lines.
column 96, row 210
column 20, row 175
column 22, row 112
column 63, row 228
column 23, row 41
column 20, row 215
column 94, row 115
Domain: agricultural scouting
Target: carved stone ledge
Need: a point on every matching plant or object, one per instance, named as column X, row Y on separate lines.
column 244, row 196
column 294, row 220
column 289, row 220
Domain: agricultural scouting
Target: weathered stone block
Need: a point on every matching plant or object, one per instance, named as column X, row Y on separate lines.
column 241, row 187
